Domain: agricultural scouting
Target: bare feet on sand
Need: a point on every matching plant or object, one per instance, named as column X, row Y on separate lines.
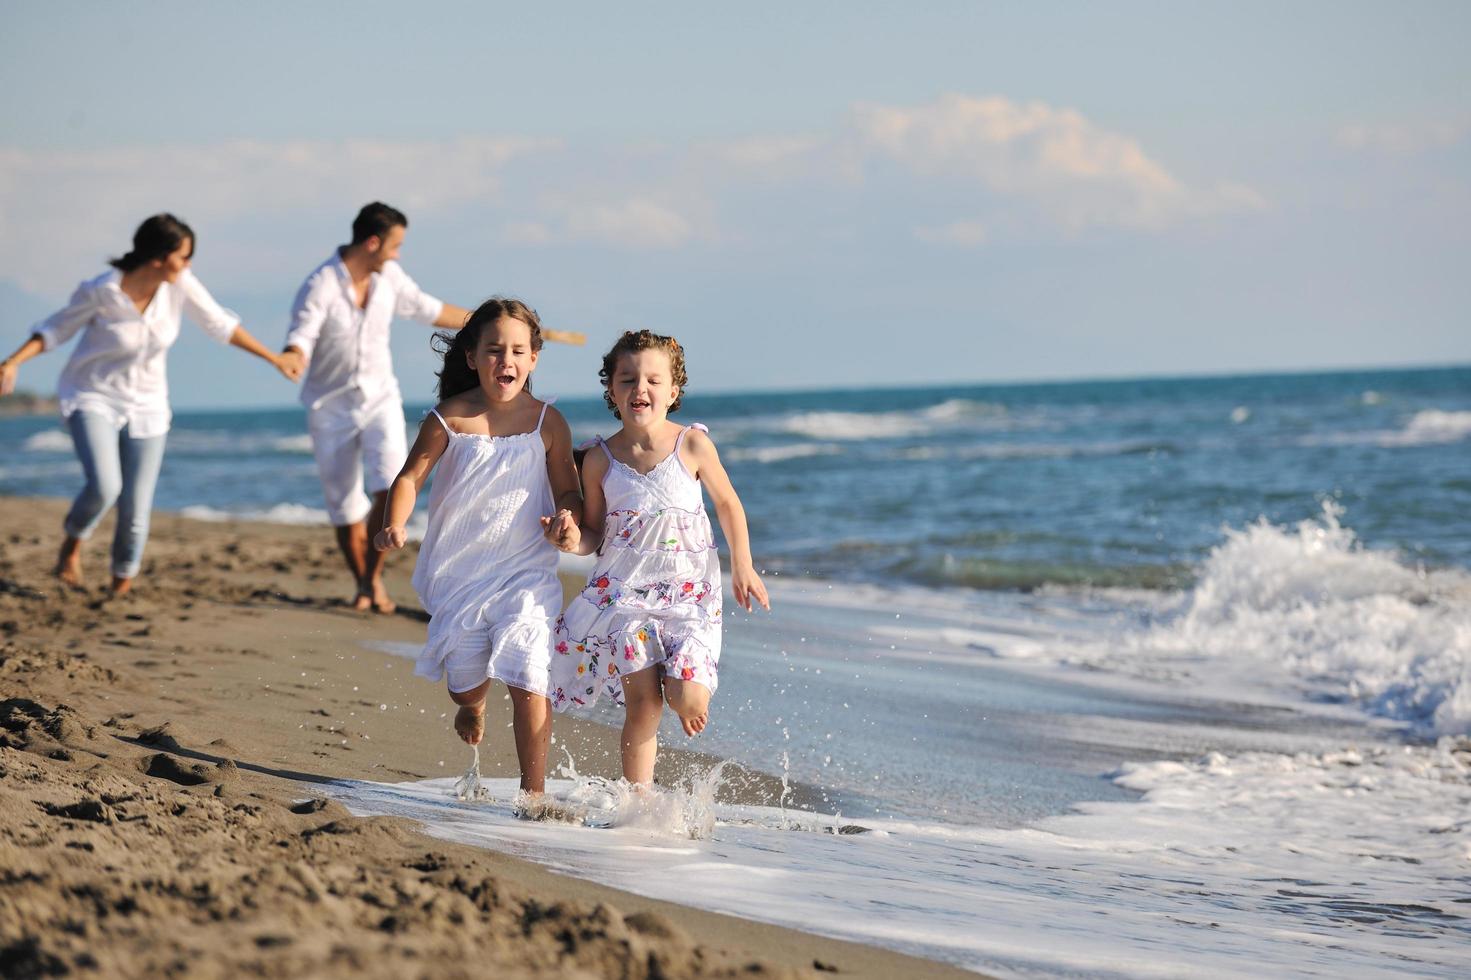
column 470, row 723
column 121, row 586
column 373, row 597
column 69, row 563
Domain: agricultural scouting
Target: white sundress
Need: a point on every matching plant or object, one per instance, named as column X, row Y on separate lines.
column 486, row 574
column 654, row 596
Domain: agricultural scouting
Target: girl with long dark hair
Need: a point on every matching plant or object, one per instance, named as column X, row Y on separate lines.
column 487, row 571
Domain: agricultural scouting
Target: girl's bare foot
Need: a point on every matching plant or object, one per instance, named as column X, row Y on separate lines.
column 695, row 724
column 362, row 602
column 69, row 563
column 470, row 723
column 121, row 586
column 536, row 805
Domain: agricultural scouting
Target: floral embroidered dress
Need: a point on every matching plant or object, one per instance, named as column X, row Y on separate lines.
column 654, row 595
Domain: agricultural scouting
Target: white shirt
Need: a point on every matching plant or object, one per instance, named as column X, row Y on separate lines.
column 346, row 347
column 118, row 367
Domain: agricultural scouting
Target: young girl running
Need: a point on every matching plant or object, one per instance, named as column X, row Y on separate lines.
column 646, row 629
column 486, row 573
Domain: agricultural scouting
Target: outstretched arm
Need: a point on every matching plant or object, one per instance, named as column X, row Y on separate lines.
column 744, row 581
column 572, row 337
column 55, row 330
column 451, row 317
column 225, row 326
column 290, row 367
column 10, row 367
column 428, row 446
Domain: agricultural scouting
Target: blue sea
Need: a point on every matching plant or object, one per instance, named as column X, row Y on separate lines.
column 992, row 487
column 1137, row 678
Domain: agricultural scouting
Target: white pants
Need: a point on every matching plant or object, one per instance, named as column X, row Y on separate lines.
column 355, row 444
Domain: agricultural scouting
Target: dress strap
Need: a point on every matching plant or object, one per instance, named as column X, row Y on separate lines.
column 435, row 412
column 598, row 441
column 679, row 440
column 542, row 417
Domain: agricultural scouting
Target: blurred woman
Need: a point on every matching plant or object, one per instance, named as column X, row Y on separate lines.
column 114, row 388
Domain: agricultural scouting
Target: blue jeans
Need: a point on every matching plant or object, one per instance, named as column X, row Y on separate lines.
column 120, row 470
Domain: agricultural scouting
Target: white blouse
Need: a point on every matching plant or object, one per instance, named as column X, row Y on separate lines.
column 346, row 348
column 118, row 367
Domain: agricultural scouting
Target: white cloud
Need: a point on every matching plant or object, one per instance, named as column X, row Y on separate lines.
column 1077, row 172
column 1005, row 164
column 1405, row 138
column 640, row 223
column 528, row 233
column 60, row 211
column 636, row 223
column 963, row 234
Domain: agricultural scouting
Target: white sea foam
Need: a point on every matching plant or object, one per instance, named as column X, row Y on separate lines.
column 189, row 442
column 1351, row 862
column 1427, row 427
column 297, row 514
column 48, row 441
column 1433, row 425
column 301, row 443
column 215, row 441
column 947, row 415
column 278, row 514
column 777, row 454
column 1032, row 450
column 1307, row 608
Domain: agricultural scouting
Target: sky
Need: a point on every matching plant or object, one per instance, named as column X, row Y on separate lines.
column 807, row 195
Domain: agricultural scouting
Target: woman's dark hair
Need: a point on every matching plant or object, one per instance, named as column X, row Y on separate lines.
column 633, row 341
column 457, row 376
column 376, row 219
column 156, row 238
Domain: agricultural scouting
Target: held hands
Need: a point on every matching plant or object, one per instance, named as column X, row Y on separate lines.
column 391, row 539
column 562, row 531
column 748, row 588
column 291, row 364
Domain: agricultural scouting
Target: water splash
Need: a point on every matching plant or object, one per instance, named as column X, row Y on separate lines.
column 469, row 787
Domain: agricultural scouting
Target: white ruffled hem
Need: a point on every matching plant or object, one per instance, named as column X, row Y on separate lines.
column 516, row 652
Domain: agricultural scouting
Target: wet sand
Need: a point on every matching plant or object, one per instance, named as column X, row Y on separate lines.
column 157, row 812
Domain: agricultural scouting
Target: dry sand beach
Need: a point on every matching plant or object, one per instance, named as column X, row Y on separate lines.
column 158, row 755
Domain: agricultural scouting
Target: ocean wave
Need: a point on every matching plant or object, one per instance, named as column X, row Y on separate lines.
column 951, row 414
column 190, row 441
column 777, row 454
column 301, row 443
column 1428, row 427
column 1338, row 622
column 48, row 441
column 279, row 514
column 1432, row 425
column 207, row 442
column 1036, row 450
column 294, row 514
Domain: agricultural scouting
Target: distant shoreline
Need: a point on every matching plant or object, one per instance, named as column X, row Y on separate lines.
column 27, row 403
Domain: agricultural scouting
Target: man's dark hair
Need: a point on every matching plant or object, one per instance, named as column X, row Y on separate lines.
column 376, row 219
